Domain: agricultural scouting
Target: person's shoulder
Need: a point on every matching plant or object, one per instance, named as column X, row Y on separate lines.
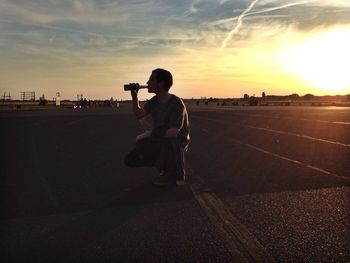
column 177, row 100
column 151, row 100
column 149, row 104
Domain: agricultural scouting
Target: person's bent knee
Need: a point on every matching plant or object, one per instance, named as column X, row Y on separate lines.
column 127, row 161
column 132, row 160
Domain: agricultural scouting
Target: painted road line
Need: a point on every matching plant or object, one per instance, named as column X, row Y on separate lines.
column 297, row 135
column 341, row 122
column 320, row 170
column 288, row 118
column 277, row 131
column 242, row 244
column 309, row 166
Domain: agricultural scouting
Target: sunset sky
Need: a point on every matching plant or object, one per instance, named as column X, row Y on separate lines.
column 214, row 48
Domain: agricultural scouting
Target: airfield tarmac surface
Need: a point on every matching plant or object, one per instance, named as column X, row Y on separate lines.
column 269, row 183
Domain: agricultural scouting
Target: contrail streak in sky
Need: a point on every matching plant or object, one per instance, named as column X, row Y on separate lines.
column 239, row 24
column 280, row 7
column 267, row 10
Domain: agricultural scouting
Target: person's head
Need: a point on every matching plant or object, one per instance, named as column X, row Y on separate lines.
column 160, row 79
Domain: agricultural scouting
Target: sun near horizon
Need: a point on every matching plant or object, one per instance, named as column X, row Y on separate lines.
column 283, row 63
column 322, row 60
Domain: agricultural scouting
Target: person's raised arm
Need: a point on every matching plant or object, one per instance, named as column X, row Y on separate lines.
column 137, row 110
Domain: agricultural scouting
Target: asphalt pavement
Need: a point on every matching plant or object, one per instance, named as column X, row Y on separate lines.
column 264, row 184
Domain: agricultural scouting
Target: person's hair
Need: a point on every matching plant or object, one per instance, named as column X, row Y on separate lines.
column 164, row 75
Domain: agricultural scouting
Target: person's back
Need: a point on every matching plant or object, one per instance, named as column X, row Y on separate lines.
column 172, row 113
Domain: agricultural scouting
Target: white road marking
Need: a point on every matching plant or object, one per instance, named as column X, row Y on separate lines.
column 277, row 131
column 242, row 244
column 289, row 118
column 297, row 135
column 341, row 122
column 309, row 166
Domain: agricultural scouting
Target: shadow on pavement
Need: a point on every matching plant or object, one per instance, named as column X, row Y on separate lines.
column 146, row 193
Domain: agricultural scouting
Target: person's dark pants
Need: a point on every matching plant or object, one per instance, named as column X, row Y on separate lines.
column 165, row 154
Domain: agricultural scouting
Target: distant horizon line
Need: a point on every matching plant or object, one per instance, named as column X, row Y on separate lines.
column 293, row 95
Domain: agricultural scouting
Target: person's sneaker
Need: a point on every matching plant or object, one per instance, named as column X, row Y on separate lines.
column 164, row 179
column 180, row 181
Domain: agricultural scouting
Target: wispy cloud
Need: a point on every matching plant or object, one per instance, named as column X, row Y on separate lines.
column 50, row 11
column 313, row 14
column 101, row 42
column 239, row 24
column 247, row 12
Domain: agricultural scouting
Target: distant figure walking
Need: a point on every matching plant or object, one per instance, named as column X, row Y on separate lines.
column 165, row 145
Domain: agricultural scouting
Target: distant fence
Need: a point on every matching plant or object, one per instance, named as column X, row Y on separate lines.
column 28, row 96
column 6, row 97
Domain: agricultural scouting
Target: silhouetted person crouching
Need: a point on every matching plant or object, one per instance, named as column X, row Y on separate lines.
column 165, row 145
